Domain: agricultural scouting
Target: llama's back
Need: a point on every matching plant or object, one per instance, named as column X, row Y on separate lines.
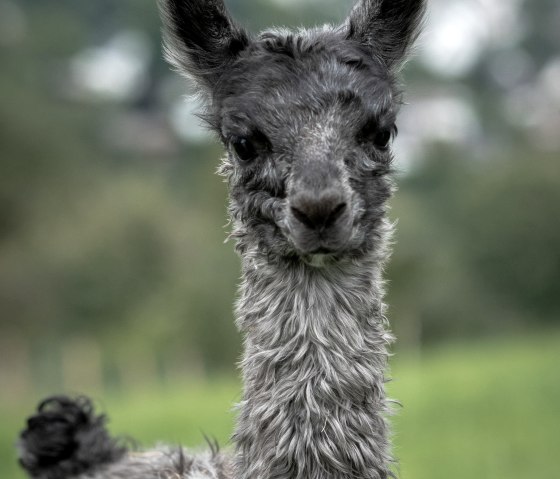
column 163, row 463
column 66, row 440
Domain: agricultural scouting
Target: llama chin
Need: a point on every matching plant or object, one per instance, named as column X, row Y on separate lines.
column 307, row 119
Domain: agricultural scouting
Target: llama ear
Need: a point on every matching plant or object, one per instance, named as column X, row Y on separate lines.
column 387, row 27
column 200, row 38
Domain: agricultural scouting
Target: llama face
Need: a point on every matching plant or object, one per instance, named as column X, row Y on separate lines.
column 306, row 118
column 307, row 121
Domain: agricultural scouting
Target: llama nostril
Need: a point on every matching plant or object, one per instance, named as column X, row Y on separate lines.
column 335, row 214
column 302, row 217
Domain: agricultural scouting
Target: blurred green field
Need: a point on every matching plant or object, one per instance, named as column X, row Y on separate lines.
column 485, row 410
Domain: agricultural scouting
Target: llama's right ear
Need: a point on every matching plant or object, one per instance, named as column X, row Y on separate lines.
column 200, row 38
column 387, row 27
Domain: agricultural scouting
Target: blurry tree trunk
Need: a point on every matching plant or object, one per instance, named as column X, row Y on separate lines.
column 16, row 379
column 409, row 333
column 82, row 367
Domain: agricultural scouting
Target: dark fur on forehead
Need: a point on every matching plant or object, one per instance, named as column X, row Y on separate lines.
column 311, row 68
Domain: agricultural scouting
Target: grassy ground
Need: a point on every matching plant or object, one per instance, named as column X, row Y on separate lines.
column 488, row 410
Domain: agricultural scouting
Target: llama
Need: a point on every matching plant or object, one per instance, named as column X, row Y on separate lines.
column 307, row 119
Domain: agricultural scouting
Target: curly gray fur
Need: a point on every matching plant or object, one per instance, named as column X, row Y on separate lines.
column 163, row 463
column 306, row 118
column 166, row 463
column 314, row 371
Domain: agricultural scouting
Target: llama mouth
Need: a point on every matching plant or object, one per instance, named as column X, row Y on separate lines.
column 320, row 245
column 319, row 260
column 321, row 251
column 323, row 255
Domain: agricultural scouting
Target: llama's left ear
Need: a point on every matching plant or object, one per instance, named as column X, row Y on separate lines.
column 200, row 38
column 387, row 27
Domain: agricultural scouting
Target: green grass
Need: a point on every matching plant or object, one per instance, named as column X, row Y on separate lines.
column 486, row 410
column 481, row 411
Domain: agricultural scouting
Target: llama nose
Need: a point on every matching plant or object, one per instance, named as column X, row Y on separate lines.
column 318, row 212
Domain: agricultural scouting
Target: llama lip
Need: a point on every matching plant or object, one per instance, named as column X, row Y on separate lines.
column 321, row 251
column 324, row 241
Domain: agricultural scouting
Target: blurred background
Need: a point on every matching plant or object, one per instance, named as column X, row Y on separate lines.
column 115, row 280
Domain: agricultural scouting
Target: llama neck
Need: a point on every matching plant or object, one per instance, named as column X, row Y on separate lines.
column 313, row 367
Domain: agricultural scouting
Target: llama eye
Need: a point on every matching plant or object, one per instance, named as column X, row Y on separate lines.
column 244, row 149
column 382, row 138
column 379, row 137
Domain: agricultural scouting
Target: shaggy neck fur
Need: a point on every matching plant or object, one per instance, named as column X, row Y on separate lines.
column 314, row 362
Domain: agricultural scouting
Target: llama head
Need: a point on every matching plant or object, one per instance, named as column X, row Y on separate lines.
column 307, row 119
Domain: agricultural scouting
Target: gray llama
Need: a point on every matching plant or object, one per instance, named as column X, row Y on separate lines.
column 307, row 119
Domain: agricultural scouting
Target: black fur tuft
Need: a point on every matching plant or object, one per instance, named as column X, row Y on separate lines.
column 200, row 38
column 65, row 438
column 387, row 27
